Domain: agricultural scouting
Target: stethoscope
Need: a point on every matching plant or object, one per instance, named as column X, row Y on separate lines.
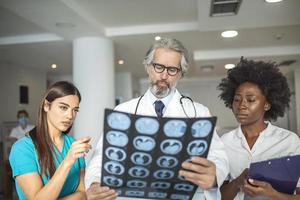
column 181, row 103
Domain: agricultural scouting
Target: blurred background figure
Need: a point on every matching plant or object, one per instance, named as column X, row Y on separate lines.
column 23, row 126
column 16, row 133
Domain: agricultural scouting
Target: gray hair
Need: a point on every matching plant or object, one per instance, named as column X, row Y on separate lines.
column 168, row 43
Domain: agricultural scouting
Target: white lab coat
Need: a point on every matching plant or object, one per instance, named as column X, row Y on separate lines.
column 216, row 154
column 19, row 132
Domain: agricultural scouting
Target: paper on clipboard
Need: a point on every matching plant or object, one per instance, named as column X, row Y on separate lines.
column 282, row 173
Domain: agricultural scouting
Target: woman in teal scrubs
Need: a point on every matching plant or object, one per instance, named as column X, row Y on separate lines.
column 48, row 163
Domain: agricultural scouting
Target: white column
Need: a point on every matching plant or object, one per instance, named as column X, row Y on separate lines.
column 297, row 98
column 124, row 86
column 93, row 74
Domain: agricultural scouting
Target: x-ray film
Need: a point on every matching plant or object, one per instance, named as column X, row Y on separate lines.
column 142, row 155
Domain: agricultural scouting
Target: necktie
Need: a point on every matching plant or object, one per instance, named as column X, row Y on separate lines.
column 159, row 106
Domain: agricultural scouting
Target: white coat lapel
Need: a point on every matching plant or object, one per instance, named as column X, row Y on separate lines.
column 146, row 107
column 174, row 108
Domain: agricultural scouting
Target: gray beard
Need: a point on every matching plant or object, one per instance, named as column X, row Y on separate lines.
column 160, row 92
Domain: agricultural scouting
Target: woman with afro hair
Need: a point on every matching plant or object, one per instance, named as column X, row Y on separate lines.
column 257, row 93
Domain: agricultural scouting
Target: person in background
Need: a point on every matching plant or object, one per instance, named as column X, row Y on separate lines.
column 48, row 163
column 23, row 126
column 257, row 92
column 165, row 63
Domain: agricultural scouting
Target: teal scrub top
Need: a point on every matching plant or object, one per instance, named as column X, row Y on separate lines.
column 23, row 160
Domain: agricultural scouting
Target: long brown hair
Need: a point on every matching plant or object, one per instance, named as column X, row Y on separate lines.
column 40, row 134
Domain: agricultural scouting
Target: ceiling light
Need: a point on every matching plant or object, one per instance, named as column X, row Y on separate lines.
column 157, row 38
column 278, row 36
column 54, row 66
column 229, row 34
column 272, row 1
column 121, row 62
column 229, row 66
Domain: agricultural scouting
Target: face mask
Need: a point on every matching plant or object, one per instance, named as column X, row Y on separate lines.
column 23, row 121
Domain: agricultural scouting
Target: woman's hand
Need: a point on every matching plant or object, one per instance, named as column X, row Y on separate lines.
column 255, row 188
column 240, row 180
column 78, row 149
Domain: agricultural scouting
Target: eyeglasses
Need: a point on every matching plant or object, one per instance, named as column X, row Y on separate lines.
column 160, row 68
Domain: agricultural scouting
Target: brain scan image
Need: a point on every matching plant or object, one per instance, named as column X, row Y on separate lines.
column 183, row 187
column 118, row 121
column 145, row 164
column 171, row 146
column 135, row 193
column 115, row 154
column 113, row 167
column 197, row 147
column 117, row 138
column 160, row 185
column 146, row 125
column 163, row 174
column 138, row 172
column 167, row 162
column 157, row 195
column 179, row 197
column 136, row 184
column 201, row 128
column 144, row 143
column 112, row 181
column 140, row 158
column 175, row 128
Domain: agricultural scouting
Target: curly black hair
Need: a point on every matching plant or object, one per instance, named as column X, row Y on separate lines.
column 266, row 76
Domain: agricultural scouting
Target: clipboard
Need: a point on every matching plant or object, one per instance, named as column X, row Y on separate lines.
column 282, row 173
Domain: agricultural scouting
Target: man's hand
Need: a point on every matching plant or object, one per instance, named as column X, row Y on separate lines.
column 258, row 188
column 98, row 192
column 202, row 172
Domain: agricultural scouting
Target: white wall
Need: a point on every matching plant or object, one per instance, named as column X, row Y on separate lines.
column 52, row 78
column 11, row 77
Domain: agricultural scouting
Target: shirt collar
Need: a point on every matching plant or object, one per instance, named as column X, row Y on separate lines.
column 265, row 133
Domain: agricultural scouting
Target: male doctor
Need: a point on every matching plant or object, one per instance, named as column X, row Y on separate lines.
column 166, row 62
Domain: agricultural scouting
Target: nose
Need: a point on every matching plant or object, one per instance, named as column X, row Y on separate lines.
column 164, row 74
column 242, row 104
column 70, row 114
